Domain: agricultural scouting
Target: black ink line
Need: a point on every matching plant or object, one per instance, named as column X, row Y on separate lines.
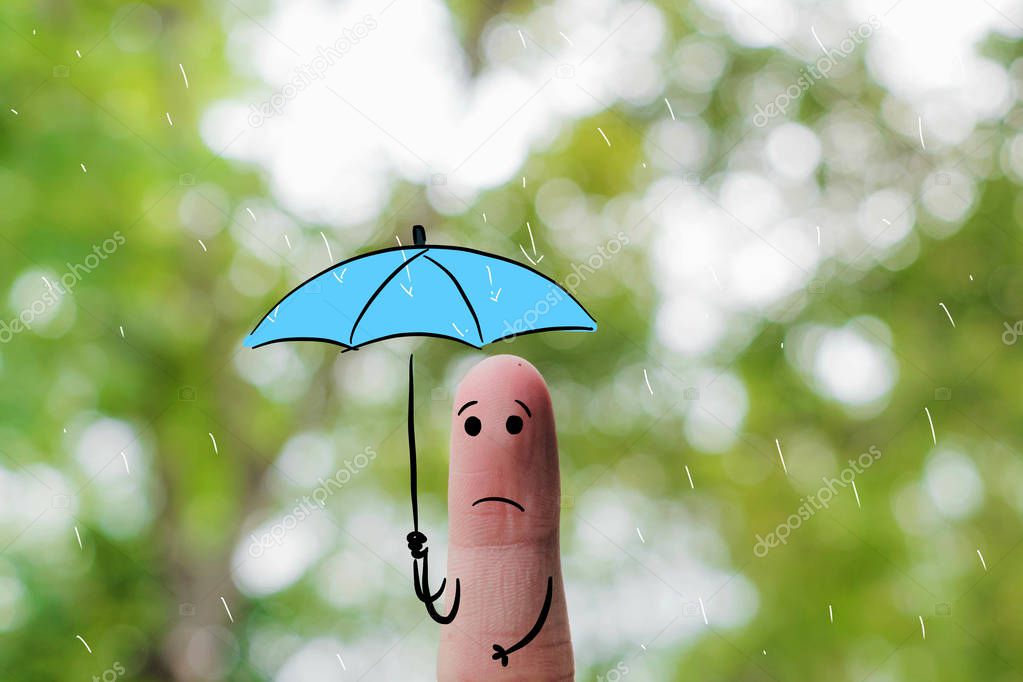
column 501, row 654
column 528, row 413
column 423, row 586
column 500, row 499
column 450, row 337
column 568, row 328
column 463, row 408
column 387, row 280
column 344, row 346
column 472, row 311
column 444, row 620
column 412, row 448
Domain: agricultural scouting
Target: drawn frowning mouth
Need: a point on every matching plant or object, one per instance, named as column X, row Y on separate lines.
column 500, row 499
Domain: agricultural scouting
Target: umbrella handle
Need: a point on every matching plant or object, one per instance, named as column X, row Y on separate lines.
column 430, row 598
column 412, row 449
column 417, row 540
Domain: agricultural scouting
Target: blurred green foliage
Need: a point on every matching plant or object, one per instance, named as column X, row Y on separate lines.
column 173, row 377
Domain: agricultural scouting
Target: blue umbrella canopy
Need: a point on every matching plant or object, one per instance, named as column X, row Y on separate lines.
column 452, row 292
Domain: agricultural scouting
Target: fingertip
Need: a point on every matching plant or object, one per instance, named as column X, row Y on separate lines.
column 507, row 372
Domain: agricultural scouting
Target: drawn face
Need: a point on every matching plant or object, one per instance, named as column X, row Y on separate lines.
column 502, row 428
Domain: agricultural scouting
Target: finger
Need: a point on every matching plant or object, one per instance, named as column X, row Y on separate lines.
column 504, row 551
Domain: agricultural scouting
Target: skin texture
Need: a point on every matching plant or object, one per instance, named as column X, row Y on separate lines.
column 504, row 557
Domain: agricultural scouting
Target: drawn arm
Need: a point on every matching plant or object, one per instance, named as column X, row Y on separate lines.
column 501, row 654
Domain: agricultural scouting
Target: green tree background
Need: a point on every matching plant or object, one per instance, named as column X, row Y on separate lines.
column 142, row 356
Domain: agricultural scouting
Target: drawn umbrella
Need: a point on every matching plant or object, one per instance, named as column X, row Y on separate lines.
column 448, row 292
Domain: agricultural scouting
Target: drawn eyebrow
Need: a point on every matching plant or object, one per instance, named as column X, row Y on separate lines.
column 528, row 413
column 468, row 405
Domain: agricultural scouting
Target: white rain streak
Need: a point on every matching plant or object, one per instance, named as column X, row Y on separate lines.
column 703, row 611
column 670, row 110
column 183, row 74
column 714, row 274
column 857, row 494
column 170, row 120
column 532, row 242
column 923, row 629
column 216, row 450
column 931, row 422
column 125, row 459
column 330, row 256
column 646, row 378
column 920, row 130
column 79, row 536
column 690, row 477
column 224, row 602
column 817, row 38
column 202, row 245
column 831, row 614
column 982, row 562
column 949, row 315
column 87, row 647
column 604, row 136
column 781, row 457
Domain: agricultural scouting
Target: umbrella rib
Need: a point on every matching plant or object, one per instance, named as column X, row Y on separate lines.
column 387, row 280
column 472, row 311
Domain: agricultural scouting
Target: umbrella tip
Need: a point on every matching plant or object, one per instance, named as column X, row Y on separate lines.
column 418, row 235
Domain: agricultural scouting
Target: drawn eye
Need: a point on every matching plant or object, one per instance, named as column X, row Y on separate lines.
column 514, row 424
column 473, row 426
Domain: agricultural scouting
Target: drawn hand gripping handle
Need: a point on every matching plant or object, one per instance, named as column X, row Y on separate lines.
column 420, row 552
